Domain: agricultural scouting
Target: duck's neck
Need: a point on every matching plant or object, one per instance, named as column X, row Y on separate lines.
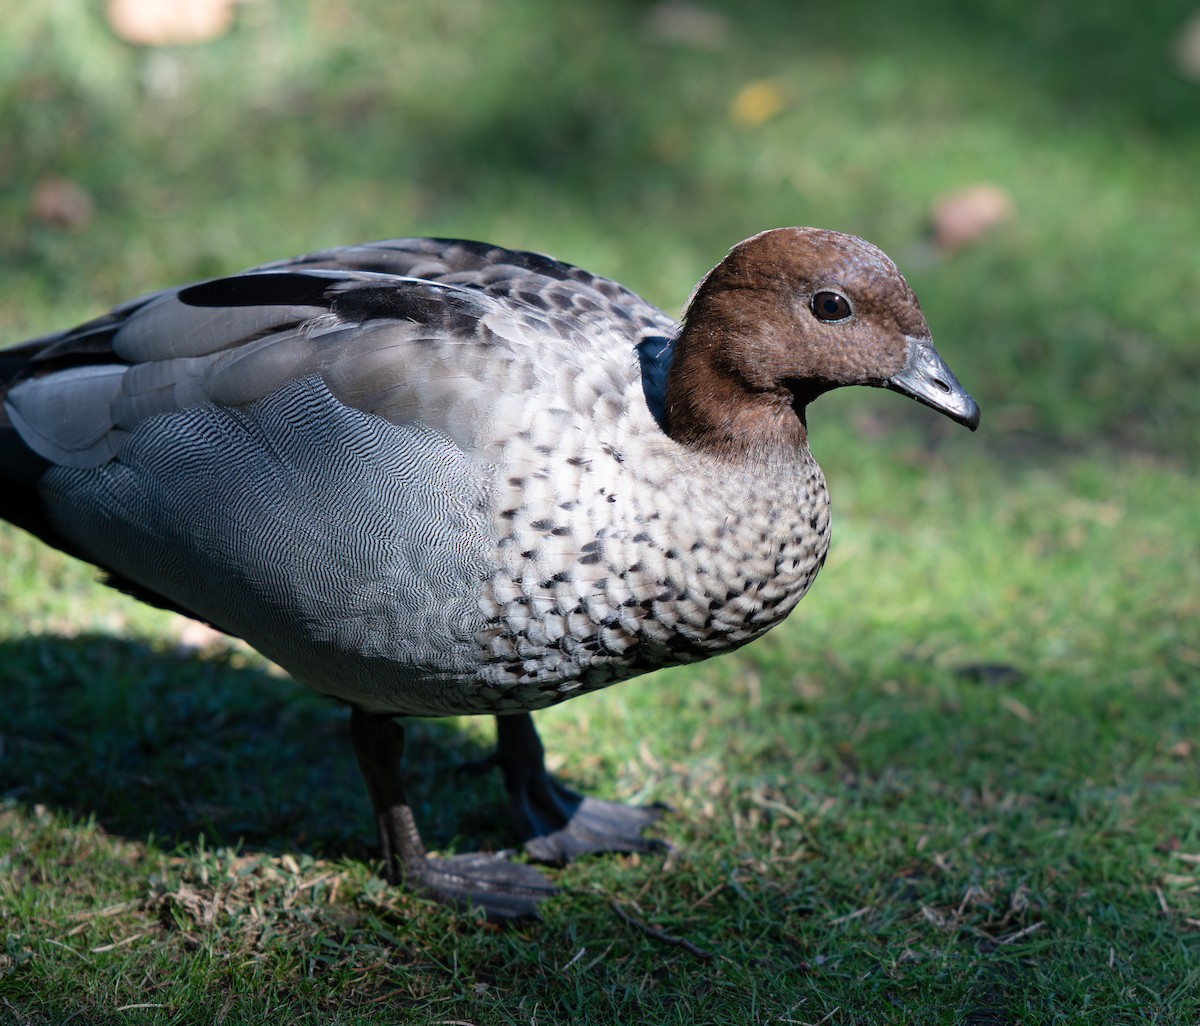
column 717, row 398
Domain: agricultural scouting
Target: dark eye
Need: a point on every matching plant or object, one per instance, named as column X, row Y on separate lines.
column 829, row 306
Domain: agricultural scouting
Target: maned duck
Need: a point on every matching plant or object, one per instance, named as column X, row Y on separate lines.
column 433, row 477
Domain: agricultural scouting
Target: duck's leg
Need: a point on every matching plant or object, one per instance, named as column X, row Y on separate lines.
column 503, row 889
column 556, row 824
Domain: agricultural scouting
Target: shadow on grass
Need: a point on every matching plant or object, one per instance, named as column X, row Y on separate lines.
column 180, row 746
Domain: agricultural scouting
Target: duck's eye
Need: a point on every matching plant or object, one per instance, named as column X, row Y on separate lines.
column 830, row 306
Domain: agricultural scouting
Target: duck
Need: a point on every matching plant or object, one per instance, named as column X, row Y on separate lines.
column 437, row 477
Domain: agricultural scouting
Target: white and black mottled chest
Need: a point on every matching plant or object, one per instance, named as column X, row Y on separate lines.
column 622, row 553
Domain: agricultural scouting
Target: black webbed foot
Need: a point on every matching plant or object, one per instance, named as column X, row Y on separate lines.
column 557, row 824
column 598, row 826
column 504, row 890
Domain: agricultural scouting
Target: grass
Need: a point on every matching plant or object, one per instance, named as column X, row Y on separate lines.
column 958, row 786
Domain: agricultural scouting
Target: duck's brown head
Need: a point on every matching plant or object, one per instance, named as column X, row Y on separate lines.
column 787, row 315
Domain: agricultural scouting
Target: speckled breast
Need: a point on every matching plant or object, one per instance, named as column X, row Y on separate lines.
column 634, row 557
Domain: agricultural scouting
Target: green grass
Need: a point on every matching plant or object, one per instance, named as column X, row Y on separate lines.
column 958, row 786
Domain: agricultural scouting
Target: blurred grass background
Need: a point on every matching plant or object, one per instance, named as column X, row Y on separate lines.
column 958, row 786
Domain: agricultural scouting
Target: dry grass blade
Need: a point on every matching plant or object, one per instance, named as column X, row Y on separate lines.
column 654, row 933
